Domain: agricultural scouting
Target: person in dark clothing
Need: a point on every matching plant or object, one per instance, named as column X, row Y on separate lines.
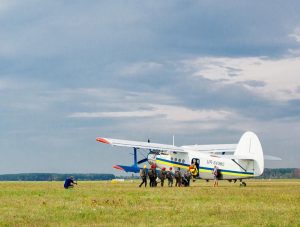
column 162, row 176
column 184, row 182
column 178, row 177
column 69, row 183
column 143, row 174
column 152, row 176
column 155, row 176
column 187, row 178
column 170, row 177
column 197, row 166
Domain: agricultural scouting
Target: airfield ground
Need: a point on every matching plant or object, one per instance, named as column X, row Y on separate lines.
column 261, row 203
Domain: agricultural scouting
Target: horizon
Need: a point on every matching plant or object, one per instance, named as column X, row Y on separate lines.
column 126, row 174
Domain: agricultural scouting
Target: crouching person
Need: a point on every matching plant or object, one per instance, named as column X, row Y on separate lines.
column 69, row 182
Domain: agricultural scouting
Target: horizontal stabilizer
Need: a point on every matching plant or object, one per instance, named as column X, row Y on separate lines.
column 271, row 158
column 131, row 169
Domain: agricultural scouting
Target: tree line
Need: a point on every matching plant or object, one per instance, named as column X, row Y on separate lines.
column 55, row 176
column 282, row 173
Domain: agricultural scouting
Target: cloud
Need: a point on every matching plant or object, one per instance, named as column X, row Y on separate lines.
column 116, row 31
column 275, row 79
column 172, row 113
column 113, row 114
column 254, row 83
column 296, row 34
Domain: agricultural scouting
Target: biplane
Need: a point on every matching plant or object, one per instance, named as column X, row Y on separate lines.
column 234, row 161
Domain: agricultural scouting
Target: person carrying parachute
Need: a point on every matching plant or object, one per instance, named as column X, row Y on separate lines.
column 194, row 171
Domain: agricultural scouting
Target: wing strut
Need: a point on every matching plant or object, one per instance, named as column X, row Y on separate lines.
column 135, row 156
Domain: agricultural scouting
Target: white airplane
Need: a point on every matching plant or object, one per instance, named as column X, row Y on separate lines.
column 234, row 161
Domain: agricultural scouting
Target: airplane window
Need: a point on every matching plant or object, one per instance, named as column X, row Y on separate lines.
column 171, row 158
column 179, row 160
column 175, row 159
column 183, row 161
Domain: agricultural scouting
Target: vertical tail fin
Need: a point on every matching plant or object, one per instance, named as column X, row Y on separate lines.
column 250, row 146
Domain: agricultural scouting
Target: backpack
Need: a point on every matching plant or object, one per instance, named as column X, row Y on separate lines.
column 162, row 174
column 169, row 175
column 154, row 173
column 216, row 172
column 150, row 173
column 142, row 172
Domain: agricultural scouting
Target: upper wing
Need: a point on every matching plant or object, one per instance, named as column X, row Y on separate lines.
column 213, row 148
column 142, row 145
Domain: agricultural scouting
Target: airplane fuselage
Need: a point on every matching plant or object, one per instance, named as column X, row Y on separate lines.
column 229, row 169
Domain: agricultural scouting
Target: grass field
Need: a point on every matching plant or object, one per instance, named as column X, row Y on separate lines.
column 261, row 203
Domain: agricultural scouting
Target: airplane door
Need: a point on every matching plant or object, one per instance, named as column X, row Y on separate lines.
column 197, row 163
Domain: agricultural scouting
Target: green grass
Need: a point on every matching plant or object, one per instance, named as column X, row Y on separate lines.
column 261, row 203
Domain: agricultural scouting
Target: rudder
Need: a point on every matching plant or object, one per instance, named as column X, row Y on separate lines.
column 250, row 146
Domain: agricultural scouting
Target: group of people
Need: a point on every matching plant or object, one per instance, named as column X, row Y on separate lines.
column 182, row 178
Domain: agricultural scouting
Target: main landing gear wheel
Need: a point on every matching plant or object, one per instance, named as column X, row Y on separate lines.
column 243, row 184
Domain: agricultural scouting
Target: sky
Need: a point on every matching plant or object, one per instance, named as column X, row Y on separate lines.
column 204, row 71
